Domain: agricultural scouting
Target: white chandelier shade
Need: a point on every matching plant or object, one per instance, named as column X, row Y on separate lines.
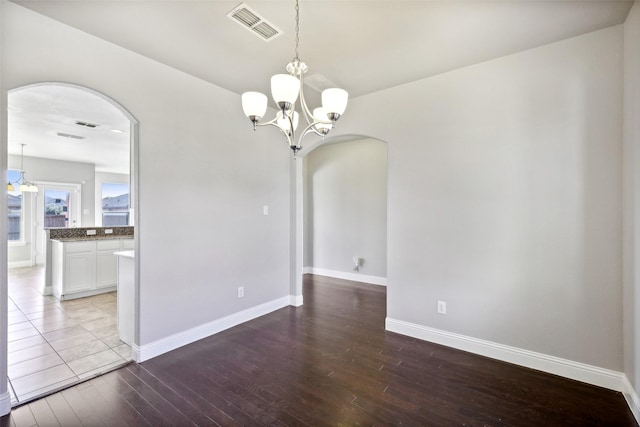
column 286, row 90
column 22, row 183
column 334, row 101
column 321, row 116
column 254, row 105
column 283, row 122
column 28, row 187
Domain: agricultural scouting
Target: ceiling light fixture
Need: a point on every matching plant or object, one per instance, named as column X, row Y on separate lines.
column 22, row 183
column 285, row 89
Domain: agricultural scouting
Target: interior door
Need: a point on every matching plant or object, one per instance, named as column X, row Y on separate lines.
column 57, row 206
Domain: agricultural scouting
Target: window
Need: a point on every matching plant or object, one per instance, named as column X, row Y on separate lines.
column 14, row 203
column 115, row 204
column 56, row 208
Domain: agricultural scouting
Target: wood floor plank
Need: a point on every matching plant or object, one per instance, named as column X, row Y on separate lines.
column 43, row 414
column 23, row 417
column 135, row 400
column 186, row 407
column 85, row 410
column 155, row 399
column 63, row 412
column 327, row 363
column 125, row 412
column 198, row 400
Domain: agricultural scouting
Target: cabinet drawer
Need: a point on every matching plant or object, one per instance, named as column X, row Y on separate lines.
column 108, row 245
column 76, row 247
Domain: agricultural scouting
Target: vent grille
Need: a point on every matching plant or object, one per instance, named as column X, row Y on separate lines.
column 253, row 22
column 68, row 135
column 86, row 124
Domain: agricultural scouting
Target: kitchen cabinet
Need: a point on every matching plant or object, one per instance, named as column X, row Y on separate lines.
column 85, row 267
column 106, row 263
column 126, row 295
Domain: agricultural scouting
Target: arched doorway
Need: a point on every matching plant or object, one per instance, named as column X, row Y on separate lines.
column 68, row 130
column 365, row 264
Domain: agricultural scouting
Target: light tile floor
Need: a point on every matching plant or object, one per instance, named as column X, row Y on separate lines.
column 53, row 344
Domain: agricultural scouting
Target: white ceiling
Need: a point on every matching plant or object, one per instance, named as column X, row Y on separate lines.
column 38, row 113
column 359, row 45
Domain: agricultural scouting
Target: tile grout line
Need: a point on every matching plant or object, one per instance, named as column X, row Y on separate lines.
column 76, row 377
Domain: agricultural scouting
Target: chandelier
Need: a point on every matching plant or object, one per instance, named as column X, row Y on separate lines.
column 22, row 183
column 285, row 89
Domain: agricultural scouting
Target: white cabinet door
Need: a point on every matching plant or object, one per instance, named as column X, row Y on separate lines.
column 107, row 269
column 80, row 272
column 106, row 263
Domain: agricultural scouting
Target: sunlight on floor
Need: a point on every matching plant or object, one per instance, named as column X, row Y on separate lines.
column 53, row 343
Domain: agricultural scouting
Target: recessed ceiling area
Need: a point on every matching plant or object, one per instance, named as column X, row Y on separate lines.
column 361, row 46
column 358, row 45
column 67, row 123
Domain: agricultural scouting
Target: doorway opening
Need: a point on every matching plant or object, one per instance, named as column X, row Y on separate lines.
column 76, row 139
column 57, row 206
column 341, row 211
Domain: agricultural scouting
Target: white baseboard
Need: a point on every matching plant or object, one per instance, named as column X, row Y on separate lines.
column 5, row 403
column 631, row 397
column 295, row 300
column 543, row 362
column 356, row 277
column 19, row 264
column 164, row 345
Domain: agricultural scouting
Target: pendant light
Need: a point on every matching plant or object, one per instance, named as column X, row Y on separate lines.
column 285, row 90
column 22, row 183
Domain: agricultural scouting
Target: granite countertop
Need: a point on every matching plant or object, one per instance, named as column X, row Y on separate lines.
column 90, row 238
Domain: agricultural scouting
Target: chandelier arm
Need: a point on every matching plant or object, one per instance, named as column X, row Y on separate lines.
column 303, row 102
column 284, row 132
column 307, row 130
column 270, row 122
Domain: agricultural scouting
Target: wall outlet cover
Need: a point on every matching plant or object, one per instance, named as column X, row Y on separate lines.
column 442, row 307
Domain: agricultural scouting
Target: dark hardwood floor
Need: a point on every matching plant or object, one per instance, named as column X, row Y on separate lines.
column 330, row 363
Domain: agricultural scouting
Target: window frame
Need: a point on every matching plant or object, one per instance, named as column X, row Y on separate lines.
column 22, row 241
column 125, row 185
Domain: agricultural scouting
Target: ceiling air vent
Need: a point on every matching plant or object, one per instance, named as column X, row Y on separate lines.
column 256, row 24
column 68, row 135
column 85, row 124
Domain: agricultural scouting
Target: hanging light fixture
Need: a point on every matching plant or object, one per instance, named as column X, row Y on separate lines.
column 285, row 89
column 22, row 183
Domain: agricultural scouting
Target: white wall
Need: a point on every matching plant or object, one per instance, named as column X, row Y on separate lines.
column 5, row 398
column 46, row 170
column 631, row 157
column 201, row 188
column 504, row 198
column 347, row 207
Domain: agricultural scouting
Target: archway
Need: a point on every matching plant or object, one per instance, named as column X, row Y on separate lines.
column 299, row 226
column 91, row 218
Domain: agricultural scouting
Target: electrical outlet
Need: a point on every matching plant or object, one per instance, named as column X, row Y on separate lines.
column 442, row 307
column 91, row 232
column 240, row 291
column 108, row 231
column 265, row 210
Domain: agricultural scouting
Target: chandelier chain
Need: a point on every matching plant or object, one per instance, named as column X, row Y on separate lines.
column 297, row 29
